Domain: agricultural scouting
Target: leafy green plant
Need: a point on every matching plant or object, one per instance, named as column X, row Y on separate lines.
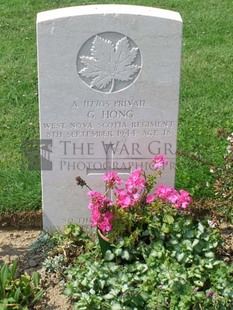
column 18, row 292
column 67, row 246
column 161, row 257
column 177, row 269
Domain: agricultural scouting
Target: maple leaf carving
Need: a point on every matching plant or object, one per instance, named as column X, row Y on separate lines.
column 109, row 62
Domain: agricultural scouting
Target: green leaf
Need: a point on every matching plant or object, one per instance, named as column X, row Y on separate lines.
column 11, row 300
column 101, row 283
column 199, row 283
column 144, row 295
column 168, row 219
column 174, row 241
column 125, row 255
column 209, row 254
column 188, row 244
column 197, row 275
column 17, row 294
column 109, row 296
column 4, row 305
column 5, row 272
column 209, row 266
column 142, row 267
column 36, row 279
column 92, row 291
column 124, row 288
column 165, row 228
column 118, row 252
column 13, row 269
column 159, row 254
column 37, row 296
column 195, row 242
column 116, row 306
column 114, row 268
column 180, row 257
column 84, row 282
column 109, row 256
column 201, row 228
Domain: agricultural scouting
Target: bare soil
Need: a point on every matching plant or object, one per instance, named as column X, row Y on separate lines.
column 15, row 241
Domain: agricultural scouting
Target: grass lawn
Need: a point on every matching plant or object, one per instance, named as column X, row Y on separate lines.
column 205, row 97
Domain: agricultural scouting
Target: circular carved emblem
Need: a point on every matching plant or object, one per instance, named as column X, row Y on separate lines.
column 109, row 62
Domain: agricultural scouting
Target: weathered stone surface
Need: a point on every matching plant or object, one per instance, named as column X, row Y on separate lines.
column 108, row 89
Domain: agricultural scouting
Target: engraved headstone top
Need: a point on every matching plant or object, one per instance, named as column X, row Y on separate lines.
column 108, row 90
column 111, row 65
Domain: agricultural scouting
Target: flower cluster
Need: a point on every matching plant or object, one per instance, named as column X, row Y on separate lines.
column 98, row 204
column 179, row 199
column 130, row 199
column 130, row 195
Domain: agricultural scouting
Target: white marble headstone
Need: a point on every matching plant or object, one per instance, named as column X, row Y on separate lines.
column 108, row 89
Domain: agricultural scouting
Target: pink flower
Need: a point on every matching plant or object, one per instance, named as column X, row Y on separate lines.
column 126, row 199
column 172, row 195
column 97, row 203
column 112, row 178
column 159, row 161
column 129, row 196
column 180, row 199
column 105, row 224
column 123, row 199
column 183, row 199
column 135, row 180
column 135, row 197
column 95, row 217
column 96, row 197
column 150, row 198
column 97, row 200
column 166, row 193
